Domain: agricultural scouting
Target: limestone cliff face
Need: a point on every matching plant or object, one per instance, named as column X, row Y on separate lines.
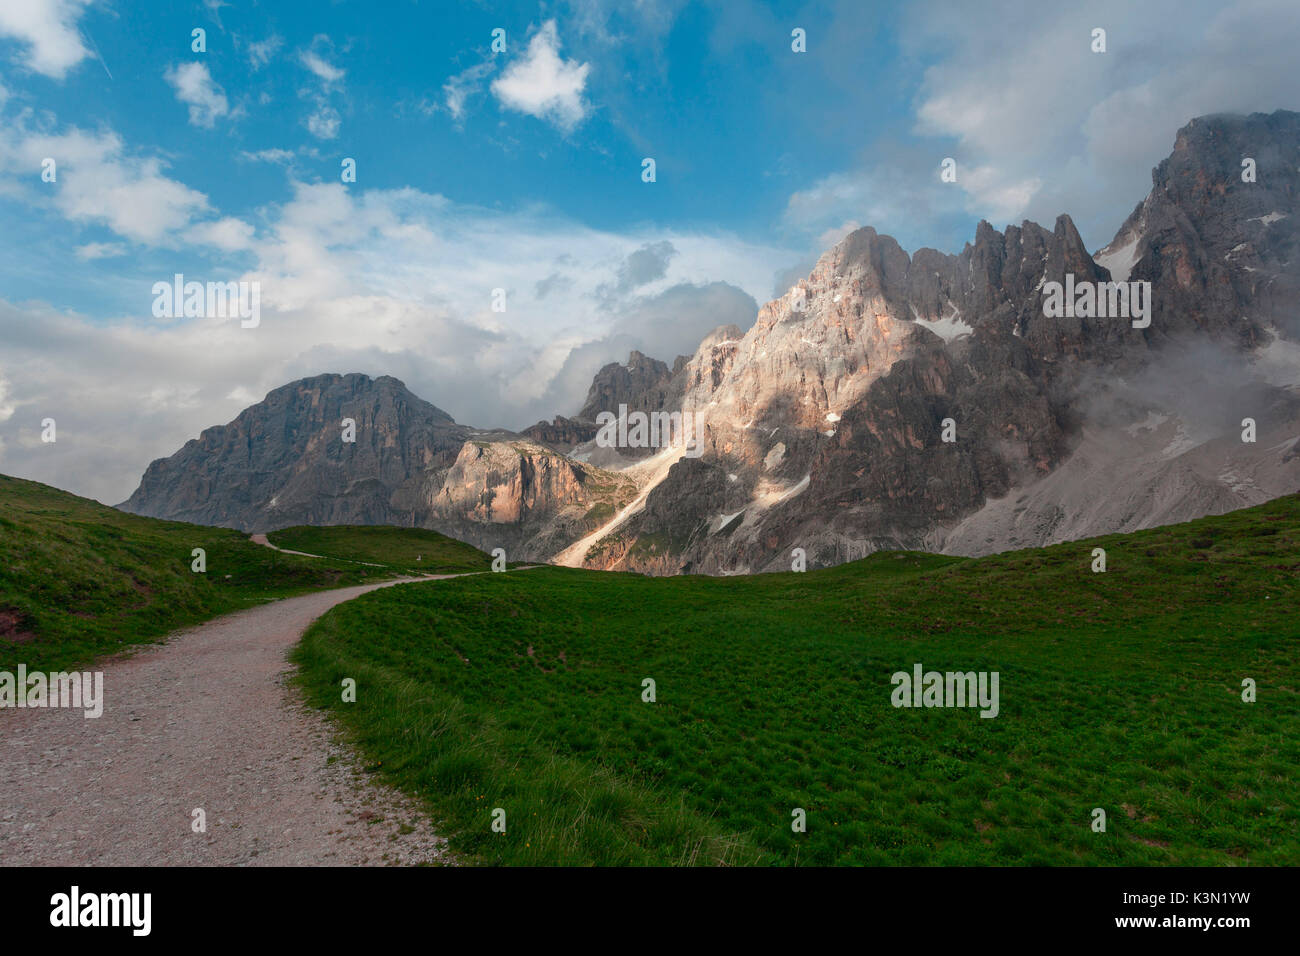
column 502, row 484
column 814, row 351
column 523, row 497
column 826, row 420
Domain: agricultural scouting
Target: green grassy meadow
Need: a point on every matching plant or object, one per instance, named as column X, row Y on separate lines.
column 523, row 691
column 79, row 580
column 1121, row 690
column 411, row 550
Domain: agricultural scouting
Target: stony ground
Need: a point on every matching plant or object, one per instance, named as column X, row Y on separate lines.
column 205, row 721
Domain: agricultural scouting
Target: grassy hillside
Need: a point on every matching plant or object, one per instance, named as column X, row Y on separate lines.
column 79, row 579
column 409, row 549
column 1120, row 690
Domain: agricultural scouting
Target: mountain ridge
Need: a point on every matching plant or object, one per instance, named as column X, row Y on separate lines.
column 826, row 423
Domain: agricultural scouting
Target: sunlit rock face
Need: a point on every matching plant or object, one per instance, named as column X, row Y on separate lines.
column 886, row 400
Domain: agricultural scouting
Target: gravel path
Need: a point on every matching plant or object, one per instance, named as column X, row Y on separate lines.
column 203, row 721
column 266, row 543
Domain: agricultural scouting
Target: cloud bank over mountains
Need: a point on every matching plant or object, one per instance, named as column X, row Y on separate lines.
column 397, row 283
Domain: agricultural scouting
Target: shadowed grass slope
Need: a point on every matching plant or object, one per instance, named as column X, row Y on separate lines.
column 1120, row 690
column 79, row 579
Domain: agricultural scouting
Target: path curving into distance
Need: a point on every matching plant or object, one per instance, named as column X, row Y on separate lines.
column 266, row 543
column 203, row 721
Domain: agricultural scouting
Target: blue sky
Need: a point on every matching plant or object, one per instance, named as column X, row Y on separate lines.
column 715, row 95
column 521, row 170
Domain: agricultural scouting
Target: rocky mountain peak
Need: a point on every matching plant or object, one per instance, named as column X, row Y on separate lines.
column 1217, row 235
column 641, row 383
column 822, row 417
column 285, row 461
column 886, row 400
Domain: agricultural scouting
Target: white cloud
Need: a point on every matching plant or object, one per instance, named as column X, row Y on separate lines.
column 324, row 122
column 48, row 28
column 392, row 282
column 100, row 182
column 463, row 85
column 6, row 409
column 542, row 84
column 997, row 196
column 100, row 250
column 229, row 234
column 195, row 87
column 327, row 72
column 1042, row 125
column 261, row 51
column 625, row 21
column 274, row 155
column 897, row 190
column 834, row 234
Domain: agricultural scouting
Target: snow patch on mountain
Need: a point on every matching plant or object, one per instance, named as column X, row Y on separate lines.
column 1119, row 261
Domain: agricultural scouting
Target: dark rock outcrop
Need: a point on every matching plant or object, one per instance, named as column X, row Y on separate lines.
column 284, row 462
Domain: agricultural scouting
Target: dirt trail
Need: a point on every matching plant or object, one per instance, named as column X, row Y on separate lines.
column 203, row 721
column 266, row 543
